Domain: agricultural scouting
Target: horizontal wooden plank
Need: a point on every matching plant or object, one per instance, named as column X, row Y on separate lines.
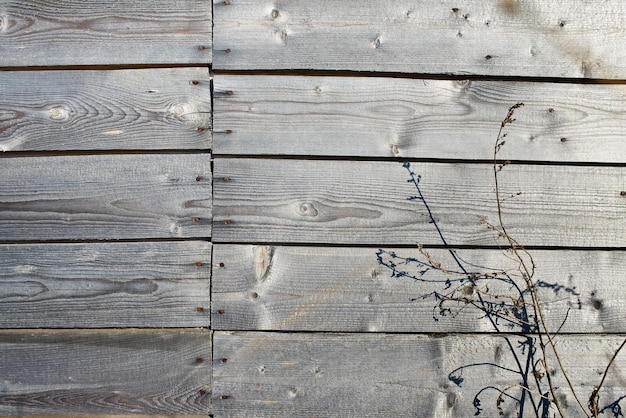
column 69, row 32
column 365, row 202
column 105, row 372
column 105, row 110
column 159, row 284
column 303, row 375
column 417, row 118
column 105, row 197
column 559, row 38
column 286, row 288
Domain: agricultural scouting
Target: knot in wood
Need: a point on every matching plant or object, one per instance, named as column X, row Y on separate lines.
column 307, row 209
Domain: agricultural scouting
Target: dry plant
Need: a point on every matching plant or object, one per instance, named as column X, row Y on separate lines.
column 509, row 299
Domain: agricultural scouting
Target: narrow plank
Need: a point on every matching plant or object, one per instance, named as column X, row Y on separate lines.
column 303, row 375
column 364, row 202
column 411, row 118
column 160, row 284
column 287, row 288
column 70, row 32
column 105, row 197
column 168, row 108
column 559, row 38
column 105, row 372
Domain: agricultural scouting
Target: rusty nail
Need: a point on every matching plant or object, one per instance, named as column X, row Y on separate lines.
column 201, row 47
column 200, row 129
column 198, row 178
column 195, row 82
column 622, row 193
column 199, row 360
column 229, row 92
column 228, row 222
column 199, row 309
column 488, row 57
column 198, row 263
column 224, row 397
column 228, row 132
column 455, row 10
column 223, row 359
column 226, row 179
column 550, row 110
column 563, row 139
column 221, row 264
column 220, row 312
column 226, row 2
column 202, row 391
column 196, row 219
column 227, row 50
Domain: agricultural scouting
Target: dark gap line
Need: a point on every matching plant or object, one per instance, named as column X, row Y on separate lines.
column 414, row 246
column 102, row 67
column 99, row 328
column 58, row 153
column 437, row 335
column 102, row 241
column 420, row 76
column 413, row 160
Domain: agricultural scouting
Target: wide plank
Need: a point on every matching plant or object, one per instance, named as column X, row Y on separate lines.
column 417, row 118
column 560, row 38
column 373, row 202
column 348, row 289
column 166, row 108
column 90, row 32
column 105, row 372
column 322, row 374
column 105, row 197
column 144, row 284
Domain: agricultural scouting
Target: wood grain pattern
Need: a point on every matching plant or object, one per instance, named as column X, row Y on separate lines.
column 105, row 372
column 105, row 110
column 391, row 117
column 77, row 32
column 105, row 197
column 345, row 202
column 105, row 285
column 285, row 288
column 302, row 375
column 559, row 38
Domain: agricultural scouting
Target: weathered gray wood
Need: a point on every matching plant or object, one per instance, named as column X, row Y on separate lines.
column 105, row 372
column 307, row 201
column 70, row 32
column 125, row 109
column 354, row 290
column 560, row 38
column 161, row 284
column 302, row 375
column 391, row 117
column 105, row 197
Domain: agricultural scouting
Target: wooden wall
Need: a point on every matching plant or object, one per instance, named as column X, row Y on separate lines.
column 105, row 207
column 215, row 208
